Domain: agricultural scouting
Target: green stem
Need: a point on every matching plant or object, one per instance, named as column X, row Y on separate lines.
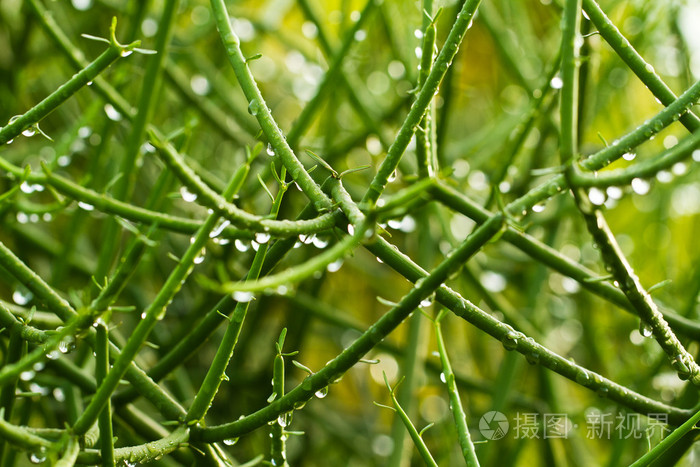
column 644, row 169
column 517, row 341
column 541, row 252
column 460, row 417
column 420, row 105
column 606, row 156
column 571, row 35
column 415, row 436
column 153, row 313
column 259, row 109
column 330, row 78
column 105, row 418
column 352, row 354
column 644, row 71
column 224, row 208
column 217, row 369
column 668, row 441
column 70, row 87
column 70, row 454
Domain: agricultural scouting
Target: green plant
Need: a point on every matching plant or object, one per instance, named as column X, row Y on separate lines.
column 154, row 251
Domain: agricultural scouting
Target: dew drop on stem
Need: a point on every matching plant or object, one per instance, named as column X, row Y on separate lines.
column 335, row 266
column 254, row 107
column 243, row 297
column 319, row 243
column 187, row 195
column 262, row 238
column 321, row 393
column 112, row 113
column 583, row 378
column 86, row 206
column 644, row 329
column 270, row 151
column 21, row 296
column 38, row 456
column 240, row 245
column 640, row 186
column 230, row 441
column 220, row 226
column 199, row 259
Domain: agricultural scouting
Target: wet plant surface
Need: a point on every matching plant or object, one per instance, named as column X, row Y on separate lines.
column 371, row 232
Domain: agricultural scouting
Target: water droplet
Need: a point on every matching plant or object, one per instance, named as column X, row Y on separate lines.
column 538, row 208
column 335, row 265
column 187, row 195
column 533, row 358
column 112, row 113
column 199, row 259
column 262, row 238
column 66, row 345
column 644, row 329
column 59, row 395
column 219, row 227
column 629, row 156
column 321, row 393
column 63, row 161
column 31, row 131
column 596, row 196
column 126, row 53
column 640, row 186
column 240, row 246
column 649, row 68
column 270, row 151
column 583, row 378
column 510, row 340
column 200, row 85
column 21, row 296
column 282, row 420
column 254, row 107
column 38, row 456
column 556, row 83
column 243, row 297
column 85, row 206
column 30, row 188
column 493, row 281
column 230, row 441
column 426, row 302
column 394, row 175
column 319, row 243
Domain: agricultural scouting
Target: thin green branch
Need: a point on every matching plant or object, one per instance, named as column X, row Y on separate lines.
column 224, row 208
column 458, row 413
column 644, row 71
column 415, row 436
column 154, row 312
column 420, row 105
column 70, row 87
column 356, row 351
column 259, row 109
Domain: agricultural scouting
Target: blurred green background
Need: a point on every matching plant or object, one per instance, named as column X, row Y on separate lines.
column 501, row 65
